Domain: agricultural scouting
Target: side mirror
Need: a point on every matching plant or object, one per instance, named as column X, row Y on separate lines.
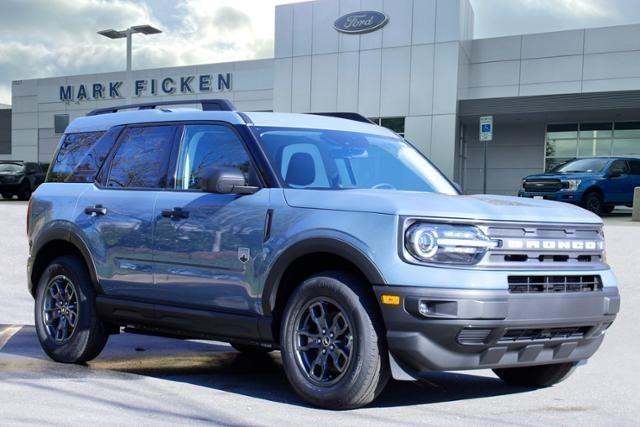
column 226, row 181
column 614, row 173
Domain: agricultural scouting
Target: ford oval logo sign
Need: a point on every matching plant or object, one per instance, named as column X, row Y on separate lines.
column 360, row 22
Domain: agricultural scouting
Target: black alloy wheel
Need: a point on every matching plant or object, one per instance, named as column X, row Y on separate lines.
column 323, row 341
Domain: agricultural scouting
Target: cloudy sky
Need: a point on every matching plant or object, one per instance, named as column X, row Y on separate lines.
column 44, row 38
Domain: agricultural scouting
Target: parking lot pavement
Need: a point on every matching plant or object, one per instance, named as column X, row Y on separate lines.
column 145, row 380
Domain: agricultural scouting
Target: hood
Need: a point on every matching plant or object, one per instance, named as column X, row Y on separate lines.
column 552, row 175
column 412, row 203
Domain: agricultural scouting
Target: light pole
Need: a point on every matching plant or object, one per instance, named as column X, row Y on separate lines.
column 128, row 33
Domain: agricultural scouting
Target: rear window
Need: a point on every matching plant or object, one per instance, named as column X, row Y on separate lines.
column 80, row 156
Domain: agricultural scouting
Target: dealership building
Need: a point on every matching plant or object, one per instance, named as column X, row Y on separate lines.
column 410, row 65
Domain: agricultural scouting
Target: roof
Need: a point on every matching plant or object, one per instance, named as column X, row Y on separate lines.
column 103, row 122
column 312, row 121
column 5, row 106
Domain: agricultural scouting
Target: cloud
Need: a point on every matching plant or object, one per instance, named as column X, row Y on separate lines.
column 574, row 8
column 45, row 38
column 230, row 19
column 42, row 38
column 505, row 17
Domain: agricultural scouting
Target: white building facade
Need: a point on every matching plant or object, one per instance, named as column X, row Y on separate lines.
column 411, row 65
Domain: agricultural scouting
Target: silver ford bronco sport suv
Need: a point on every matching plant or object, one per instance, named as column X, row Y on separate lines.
column 323, row 236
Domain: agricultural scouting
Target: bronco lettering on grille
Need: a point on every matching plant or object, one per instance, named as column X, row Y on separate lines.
column 576, row 245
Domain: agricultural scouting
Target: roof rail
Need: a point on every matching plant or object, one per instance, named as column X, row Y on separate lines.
column 349, row 116
column 207, row 105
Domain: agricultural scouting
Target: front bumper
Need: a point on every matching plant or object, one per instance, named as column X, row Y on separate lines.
column 560, row 196
column 10, row 187
column 477, row 329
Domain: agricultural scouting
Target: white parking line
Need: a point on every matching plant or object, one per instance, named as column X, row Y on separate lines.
column 7, row 333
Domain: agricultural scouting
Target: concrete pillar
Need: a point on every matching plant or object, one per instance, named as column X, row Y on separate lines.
column 636, row 205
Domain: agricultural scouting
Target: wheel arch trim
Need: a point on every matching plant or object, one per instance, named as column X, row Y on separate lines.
column 329, row 245
column 65, row 232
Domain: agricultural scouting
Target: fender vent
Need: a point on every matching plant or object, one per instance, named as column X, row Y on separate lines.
column 550, row 284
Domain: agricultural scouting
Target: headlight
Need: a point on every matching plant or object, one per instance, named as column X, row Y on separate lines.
column 571, row 184
column 447, row 244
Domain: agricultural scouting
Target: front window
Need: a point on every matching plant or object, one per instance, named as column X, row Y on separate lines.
column 335, row 160
column 10, row 167
column 207, row 146
column 583, row 166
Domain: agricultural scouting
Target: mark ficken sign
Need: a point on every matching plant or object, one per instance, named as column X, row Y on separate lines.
column 183, row 85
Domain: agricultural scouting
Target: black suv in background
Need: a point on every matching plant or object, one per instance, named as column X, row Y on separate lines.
column 18, row 178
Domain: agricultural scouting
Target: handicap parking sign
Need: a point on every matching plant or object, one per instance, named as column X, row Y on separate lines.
column 486, row 128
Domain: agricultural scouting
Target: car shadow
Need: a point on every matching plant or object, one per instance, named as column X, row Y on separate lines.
column 217, row 366
column 618, row 214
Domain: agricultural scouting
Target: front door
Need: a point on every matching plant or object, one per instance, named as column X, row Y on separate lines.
column 205, row 244
column 117, row 217
column 634, row 175
column 619, row 189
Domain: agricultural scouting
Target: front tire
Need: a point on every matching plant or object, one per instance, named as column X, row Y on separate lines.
column 25, row 192
column 593, row 202
column 536, row 376
column 608, row 209
column 67, row 323
column 333, row 342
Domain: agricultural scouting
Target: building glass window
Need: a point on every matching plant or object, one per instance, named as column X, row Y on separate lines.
column 395, row 124
column 60, row 122
column 567, row 141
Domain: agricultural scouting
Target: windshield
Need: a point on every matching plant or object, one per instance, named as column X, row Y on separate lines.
column 582, row 165
column 10, row 167
column 337, row 160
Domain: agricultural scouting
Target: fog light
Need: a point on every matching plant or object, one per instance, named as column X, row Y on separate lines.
column 423, row 308
column 437, row 308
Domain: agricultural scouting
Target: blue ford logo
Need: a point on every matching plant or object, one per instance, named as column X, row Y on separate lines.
column 360, row 22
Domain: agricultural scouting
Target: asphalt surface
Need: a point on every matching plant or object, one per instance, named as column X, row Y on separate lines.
column 147, row 380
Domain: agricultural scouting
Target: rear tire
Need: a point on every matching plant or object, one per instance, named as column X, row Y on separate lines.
column 536, row 376
column 592, row 201
column 81, row 336
column 333, row 342
column 7, row 196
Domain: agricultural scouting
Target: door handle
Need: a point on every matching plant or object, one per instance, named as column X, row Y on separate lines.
column 95, row 210
column 175, row 213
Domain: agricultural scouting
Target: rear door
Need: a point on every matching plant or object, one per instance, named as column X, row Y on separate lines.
column 116, row 214
column 205, row 244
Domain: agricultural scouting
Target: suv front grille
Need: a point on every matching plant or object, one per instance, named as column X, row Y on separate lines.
column 542, row 185
column 530, row 245
column 528, row 335
column 554, row 284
